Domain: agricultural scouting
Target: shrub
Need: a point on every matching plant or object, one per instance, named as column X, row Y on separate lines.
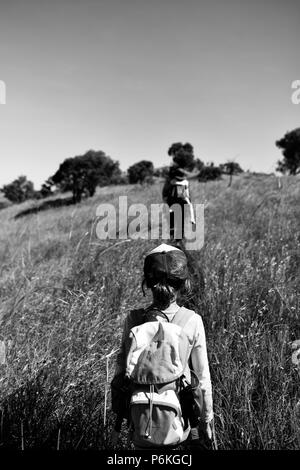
column 138, row 172
column 19, row 190
column 210, row 172
column 290, row 145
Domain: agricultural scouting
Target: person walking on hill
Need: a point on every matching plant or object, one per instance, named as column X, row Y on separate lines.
column 176, row 191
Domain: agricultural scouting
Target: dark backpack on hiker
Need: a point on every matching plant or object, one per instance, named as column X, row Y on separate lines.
column 154, row 395
column 175, row 192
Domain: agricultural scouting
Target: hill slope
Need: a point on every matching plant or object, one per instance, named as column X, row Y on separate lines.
column 63, row 300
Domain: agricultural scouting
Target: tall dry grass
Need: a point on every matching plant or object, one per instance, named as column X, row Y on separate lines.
column 63, row 301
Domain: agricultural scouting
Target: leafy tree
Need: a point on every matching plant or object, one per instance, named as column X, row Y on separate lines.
column 183, row 155
column 149, row 180
column 119, row 178
column 138, row 172
column 290, row 145
column 231, row 168
column 19, row 190
column 210, row 172
column 199, row 164
column 46, row 189
column 82, row 174
column 161, row 172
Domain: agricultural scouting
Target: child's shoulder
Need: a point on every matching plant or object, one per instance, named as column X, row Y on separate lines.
column 195, row 317
column 136, row 311
column 135, row 317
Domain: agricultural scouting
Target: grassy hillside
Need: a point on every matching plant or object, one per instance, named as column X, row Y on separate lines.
column 64, row 297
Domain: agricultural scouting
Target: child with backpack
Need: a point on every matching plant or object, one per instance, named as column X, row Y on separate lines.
column 162, row 380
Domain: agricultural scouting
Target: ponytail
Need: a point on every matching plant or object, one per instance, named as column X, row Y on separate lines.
column 165, row 293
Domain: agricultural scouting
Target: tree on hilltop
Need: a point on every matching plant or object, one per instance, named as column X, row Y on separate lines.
column 82, row 174
column 161, row 172
column 183, row 155
column 231, row 168
column 290, row 145
column 140, row 172
column 209, row 172
column 19, row 190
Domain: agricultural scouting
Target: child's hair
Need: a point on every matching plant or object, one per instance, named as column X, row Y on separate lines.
column 166, row 274
column 165, row 293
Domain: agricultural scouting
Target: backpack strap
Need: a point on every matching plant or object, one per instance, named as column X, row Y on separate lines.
column 182, row 316
column 154, row 311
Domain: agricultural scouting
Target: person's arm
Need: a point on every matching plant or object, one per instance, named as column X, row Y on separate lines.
column 189, row 175
column 120, row 367
column 201, row 368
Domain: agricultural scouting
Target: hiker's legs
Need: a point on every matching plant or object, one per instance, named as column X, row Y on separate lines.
column 179, row 221
column 172, row 224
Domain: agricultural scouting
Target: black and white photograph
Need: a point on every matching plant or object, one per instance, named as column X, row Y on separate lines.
column 149, row 230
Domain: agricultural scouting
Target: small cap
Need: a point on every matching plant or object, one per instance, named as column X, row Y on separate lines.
column 163, row 248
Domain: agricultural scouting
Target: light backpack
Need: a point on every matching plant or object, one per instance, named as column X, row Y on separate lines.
column 157, row 357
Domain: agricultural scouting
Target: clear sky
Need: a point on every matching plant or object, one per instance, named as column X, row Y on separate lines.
column 130, row 77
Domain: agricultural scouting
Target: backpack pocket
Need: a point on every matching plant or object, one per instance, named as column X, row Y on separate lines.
column 157, row 419
column 120, row 395
column 191, row 400
column 181, row 191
